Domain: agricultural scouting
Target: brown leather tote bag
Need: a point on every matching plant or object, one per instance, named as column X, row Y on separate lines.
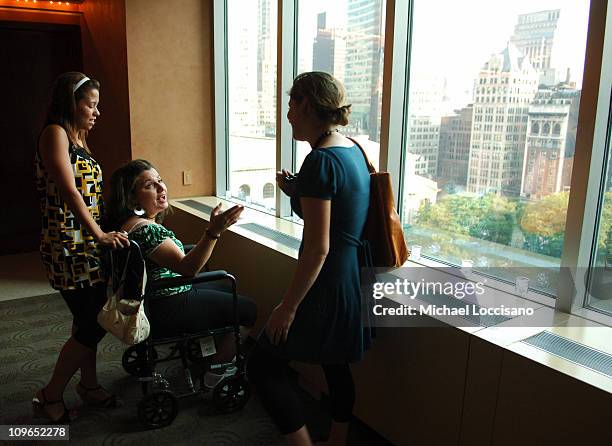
column 383, row 228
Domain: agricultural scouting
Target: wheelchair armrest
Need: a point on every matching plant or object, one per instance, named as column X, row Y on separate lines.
column 173, row 282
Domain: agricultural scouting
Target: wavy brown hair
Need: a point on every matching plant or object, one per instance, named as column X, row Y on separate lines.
column 122, row 202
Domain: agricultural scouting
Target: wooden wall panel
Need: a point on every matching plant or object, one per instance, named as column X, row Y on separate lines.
column 539, row 406
column 170, row 67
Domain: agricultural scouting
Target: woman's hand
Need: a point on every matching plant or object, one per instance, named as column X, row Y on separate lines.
column 220, row 221
column 288, row 187
column 279, row 324
column 114, row 239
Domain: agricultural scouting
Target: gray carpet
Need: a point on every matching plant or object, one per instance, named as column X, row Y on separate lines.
column 34, row 330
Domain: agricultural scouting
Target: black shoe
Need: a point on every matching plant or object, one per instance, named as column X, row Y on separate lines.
column 38, row 408
column 110, row 402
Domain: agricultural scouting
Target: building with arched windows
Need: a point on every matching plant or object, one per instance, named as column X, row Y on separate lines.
column 550, row 142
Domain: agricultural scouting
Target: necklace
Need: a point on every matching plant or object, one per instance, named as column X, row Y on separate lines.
column 323, row 135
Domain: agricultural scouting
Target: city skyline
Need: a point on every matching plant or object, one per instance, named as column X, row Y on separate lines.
column 327, row 31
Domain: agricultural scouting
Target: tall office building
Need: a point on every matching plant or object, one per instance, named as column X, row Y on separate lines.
column 242, row 51
column 425, row 108
column 323, row 47
column 422, row 141
column 329, row 49
column 454, row 149
column 534, row 36
column 266, row 66
column 364, row 70
column 506, row 85
column 550, row 144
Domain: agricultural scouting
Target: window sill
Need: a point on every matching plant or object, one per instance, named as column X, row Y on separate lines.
column 573, row 327
column 249, row 215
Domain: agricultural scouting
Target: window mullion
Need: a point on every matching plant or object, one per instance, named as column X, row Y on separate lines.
column 286, row 54
column 588, row 164
column 221, row 103
column 393, row 118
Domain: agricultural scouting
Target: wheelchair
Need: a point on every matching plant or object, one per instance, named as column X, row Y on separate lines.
column 159, row 404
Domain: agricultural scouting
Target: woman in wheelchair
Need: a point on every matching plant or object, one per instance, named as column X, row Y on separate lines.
column 138, row 204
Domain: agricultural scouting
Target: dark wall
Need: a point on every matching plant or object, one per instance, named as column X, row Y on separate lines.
column 34, row 55
column 35, row 46
column 105, row 58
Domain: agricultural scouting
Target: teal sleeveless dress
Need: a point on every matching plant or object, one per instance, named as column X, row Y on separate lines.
column 328, row 327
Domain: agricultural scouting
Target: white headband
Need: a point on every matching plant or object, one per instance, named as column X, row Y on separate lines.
column 79, row 83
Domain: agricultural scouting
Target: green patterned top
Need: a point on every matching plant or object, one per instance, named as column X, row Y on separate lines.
column 149, row 237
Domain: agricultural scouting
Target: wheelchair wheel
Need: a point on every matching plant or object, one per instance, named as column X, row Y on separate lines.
column 134, row 360
column 158, row 409
column 231, row 394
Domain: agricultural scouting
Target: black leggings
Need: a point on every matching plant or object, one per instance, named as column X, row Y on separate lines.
column 85, row 304
column 203, row 307
column 270, row 376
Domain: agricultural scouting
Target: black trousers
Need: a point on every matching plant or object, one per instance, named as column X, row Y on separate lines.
column 203, row 307
column 270, row 373
column 85, row 304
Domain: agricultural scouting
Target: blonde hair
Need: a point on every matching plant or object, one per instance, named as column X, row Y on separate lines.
column 325, row 94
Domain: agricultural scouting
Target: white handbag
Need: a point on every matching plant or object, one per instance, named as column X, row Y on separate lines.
column 124, row 316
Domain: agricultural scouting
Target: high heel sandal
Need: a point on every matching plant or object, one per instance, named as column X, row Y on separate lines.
column 38, row 407
column 109, row 402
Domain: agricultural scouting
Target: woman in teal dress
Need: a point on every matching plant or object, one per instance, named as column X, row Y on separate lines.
column 319, row 318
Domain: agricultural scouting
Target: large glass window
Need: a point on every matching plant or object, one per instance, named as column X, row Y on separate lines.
column 251, row 90
column 491, row 128
column 600, row 285
column 482, row 124
column 346, row 38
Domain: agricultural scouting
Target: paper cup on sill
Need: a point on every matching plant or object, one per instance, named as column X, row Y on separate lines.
column 466, row 267
column 521, row 285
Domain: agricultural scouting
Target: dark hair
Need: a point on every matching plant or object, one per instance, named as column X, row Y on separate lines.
column 122, row 202
column 63, row 104
column 325, row 94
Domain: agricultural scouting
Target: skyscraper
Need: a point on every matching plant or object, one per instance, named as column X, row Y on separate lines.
column 266, row 66
column 534, row 36
column 363, row 78
column 323, row 47
column 506, row 85
column 454, row 149
column 242, row 51
column 329, row 49
column 425, row 108
column 422, row 141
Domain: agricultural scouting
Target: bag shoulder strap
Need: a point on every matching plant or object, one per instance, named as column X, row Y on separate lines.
column 124, row 272
column 371, row 167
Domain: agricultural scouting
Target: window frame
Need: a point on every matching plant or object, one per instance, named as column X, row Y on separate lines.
column 585, row 197
column 594, row 136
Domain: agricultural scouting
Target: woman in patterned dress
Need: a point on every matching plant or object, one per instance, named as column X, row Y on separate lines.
column 137, row 204
column 69, row 182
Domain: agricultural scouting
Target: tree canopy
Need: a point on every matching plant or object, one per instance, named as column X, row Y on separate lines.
column 540, row 224
column 489, row 217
